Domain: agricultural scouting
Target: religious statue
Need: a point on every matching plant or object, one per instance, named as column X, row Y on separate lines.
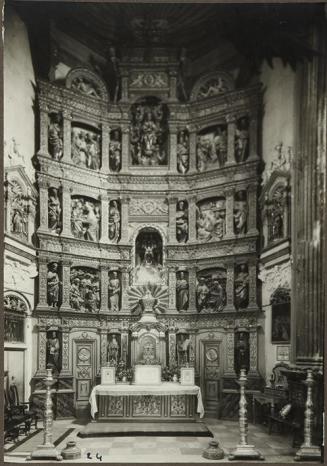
column 54, row 211
column 115, row 151
column 53, row 284
column 183, row 350
column 113, row 350
column 91, row 220
column 148, row 249
column 182, row 292
column 211, row 292
column 77, row 218
column 85, row 219
column 183, row 152
column 114, row 292
column 242, row 140
column 242, row 287
column 149, row 352
column 18, row 215
column 114, row 221
column 240, row 214
column 85, row 86
column 182, row 222
column 85, row 148
column 148, row 133
column 211, row 148
column 202, row 292
column 211, row 220
column 55, row 136
column 53, row 351
column 220, row 145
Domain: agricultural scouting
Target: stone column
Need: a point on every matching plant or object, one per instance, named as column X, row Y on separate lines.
column 253, row 137
column 172, row 220
column 42, row 282
column 192, row 219
column 193, row 161
column 66, row 210
column 192, row 289
column 103, row 346
column 125, row 149
column 124, row 219
column 44, row 127
column 231, row 127
column 252, row 265
column 230, row 351
column 67, row 137
column 65, row 304
column 105, row 140
column 43, row 203
column 172, row 361
column 104, row 238
column 42, row 350
column 173, row 149
column 65, row 351
column 252, row 206
column 124, row 288
column 229, row 193
column 104, row 281
column 253, row 350
column 230, row 286
column 172, row 289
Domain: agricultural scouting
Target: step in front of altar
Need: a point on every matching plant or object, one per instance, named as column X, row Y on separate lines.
column 159, row 429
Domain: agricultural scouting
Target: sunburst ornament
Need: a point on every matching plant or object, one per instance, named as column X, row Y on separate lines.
column 144, row 297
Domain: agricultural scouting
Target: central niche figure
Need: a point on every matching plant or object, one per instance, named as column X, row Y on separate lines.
column 148, row 257
column 149, row 132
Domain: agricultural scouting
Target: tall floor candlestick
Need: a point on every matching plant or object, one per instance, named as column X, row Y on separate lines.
column 47, row 450
column 307, row 451
column 244, row 450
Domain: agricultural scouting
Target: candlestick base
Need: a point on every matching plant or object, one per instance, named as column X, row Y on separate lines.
column 45, row 452
column 245, row 452
column 308, row 453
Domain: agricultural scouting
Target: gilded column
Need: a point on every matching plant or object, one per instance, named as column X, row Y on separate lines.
column 125, row 149
column 65, row 352
column 42, row 282
column 65, row 304
column 192, row 289
column 252, row 205
column 172, row 347
column 44, row 127
column 229, row 193
column 66, row 210
column 252, row 265
column 230, row 351
column 253, row 137
column 105, row 140
column 231, row 126
column 172, row 219
column 124, row 219
column 124, row 288
column 173, row 149
column 67, row 136
column 104, row 238
column 230, row 286
column 104, row 283
column 193, row 161
column 42, row 350
column 253, row 350
column 172, row 289
column 43, row 203
column 192, row 219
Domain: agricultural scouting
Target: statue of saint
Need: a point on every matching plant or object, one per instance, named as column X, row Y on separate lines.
column 75, row 298
column 181, row 222
column 183, row 153
column 54, row 211
column 78, row 148
column 93, row 150
column 19, row 216
column 202, row 293
column 240, row 217
column 183, row 350
column 115, row 152
column 220, row 145
column 77, row 219
column 114, row 292
column 53, row 350
column 92, row 221
column 113, row 350
column 53, row 283
column 55, row 136
column 182, row 292
column 114, row 222
column 242, row 287
column 241, row 141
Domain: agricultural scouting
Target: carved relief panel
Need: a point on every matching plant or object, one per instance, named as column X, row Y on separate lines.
column 211, row 148
column 84, row 289
column 85, row 146
column 85, row 218
column 211, row 219
column 211, row 290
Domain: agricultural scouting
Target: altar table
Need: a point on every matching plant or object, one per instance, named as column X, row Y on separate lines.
column 168, row 401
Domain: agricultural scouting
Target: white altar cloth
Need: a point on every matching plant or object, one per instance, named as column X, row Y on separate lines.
column 166, row 388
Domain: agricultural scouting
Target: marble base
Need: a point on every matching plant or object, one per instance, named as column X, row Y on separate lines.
column 245, row 452
column 45, row 452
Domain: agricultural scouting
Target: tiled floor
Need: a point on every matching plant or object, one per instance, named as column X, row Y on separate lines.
column 275, row 448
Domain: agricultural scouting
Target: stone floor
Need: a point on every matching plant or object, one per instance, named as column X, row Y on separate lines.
column 275, row 448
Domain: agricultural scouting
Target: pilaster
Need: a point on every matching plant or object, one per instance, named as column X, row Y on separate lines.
column 230, row 351
column 231, row 127
column 67, row 136
column 42, row 282
column 104, row 283
column 172, row 86
column 65, row 352
column 105, row 140
column 65, row 304
column 229, row 193
column 124, row 219
column 103, row 346
column 252, row 267
column 124, row 288
column 44, row 130
column 172, row 219
column 230, row 286
column 66, row 191
column 104, row 238
column 252, row 203
column 192, row 219
column 124, row 85
column 192, row 288
column 124, row 345
column 42, row 351
column 172, row 149
column 253, row 137
column 253, row 350
column 193, row 160
column 125, row 149
column 172, row 289
column 172, row 347
column 43, row 205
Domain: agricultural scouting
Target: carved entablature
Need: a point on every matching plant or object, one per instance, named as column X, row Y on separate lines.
column 211, row 85
column 87, row 83
column 20, row 204
column 275, row 208
column 148, row 207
